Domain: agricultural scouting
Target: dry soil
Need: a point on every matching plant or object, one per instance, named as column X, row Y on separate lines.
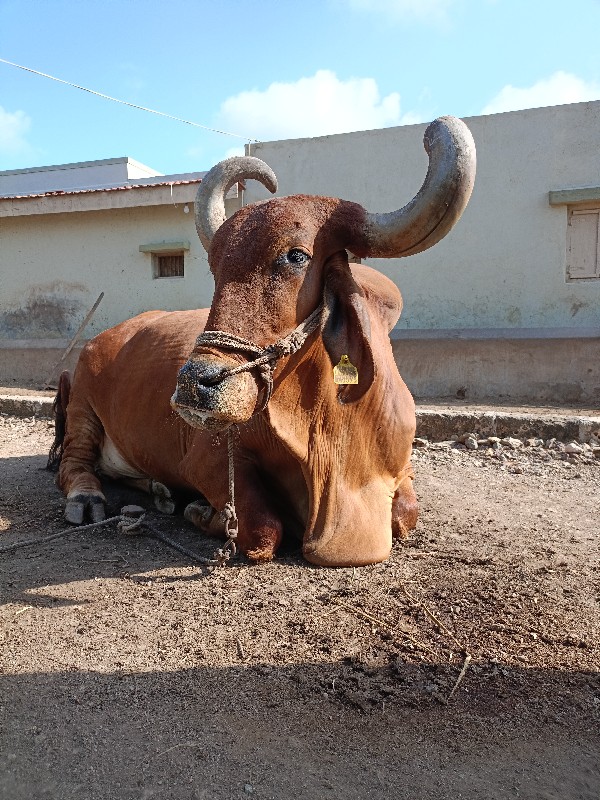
column 129, row 672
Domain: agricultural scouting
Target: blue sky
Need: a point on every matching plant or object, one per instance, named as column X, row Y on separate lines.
column 274, row 69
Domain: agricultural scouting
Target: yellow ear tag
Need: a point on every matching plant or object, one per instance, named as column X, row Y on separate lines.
column 345, row 372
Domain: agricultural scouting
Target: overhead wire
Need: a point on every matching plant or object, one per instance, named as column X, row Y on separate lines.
column 126, row 103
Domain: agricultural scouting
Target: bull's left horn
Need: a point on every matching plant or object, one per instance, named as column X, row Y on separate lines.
column 440, row 201
column 210, row 199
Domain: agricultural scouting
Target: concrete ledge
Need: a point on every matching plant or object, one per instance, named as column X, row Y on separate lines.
column 554, row 371
column 31, row 361
column 528, row 366
column 18, row 405
column 435, row 424
column 584, row 194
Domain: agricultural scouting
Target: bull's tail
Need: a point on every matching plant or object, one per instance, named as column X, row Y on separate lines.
column 59, row 409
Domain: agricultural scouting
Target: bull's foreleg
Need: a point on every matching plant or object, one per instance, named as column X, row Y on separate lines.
column 405, row 508
column 260, row 528
column 260, row 525
column 76, row 475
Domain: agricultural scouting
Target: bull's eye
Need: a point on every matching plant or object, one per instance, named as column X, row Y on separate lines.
column 297, row 256
column 296, row 259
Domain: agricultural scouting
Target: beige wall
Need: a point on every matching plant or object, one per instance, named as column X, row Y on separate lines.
column 54, row 266
column 504, row 265
column 58, row 252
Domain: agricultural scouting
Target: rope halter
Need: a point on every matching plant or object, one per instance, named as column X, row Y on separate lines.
column 265, row 358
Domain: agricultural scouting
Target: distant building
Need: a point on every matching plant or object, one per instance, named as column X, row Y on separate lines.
column 507, row 305
column 71, row 231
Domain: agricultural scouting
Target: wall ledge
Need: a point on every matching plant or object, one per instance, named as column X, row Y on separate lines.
column 568, row 197
column 501, row 334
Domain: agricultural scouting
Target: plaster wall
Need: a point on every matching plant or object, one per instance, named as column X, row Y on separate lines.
column 55, row 266
column 504, row 265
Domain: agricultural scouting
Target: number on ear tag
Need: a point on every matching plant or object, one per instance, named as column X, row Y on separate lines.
column 345, row 372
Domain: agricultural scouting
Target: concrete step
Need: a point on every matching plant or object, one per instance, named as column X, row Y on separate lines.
column 439, row 421
column 436, row 420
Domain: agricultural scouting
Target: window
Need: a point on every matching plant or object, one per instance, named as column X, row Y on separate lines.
column 167, row 266
column 168, row 258
column 583, row 230
column 583, row 244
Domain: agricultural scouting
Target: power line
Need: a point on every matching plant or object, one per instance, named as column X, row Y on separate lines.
column 125, row 103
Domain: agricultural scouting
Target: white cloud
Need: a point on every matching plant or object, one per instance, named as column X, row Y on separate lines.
column 559, row 88
column 234, row 151
column 14, row 127
column 426, row 10
column 314, row 106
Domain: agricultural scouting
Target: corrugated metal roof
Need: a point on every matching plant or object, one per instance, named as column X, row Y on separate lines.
column 122, row 188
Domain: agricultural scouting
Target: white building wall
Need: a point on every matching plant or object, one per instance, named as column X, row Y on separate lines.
column 504, row 264
column 54, row 266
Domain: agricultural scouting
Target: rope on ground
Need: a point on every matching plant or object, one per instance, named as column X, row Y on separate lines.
column 437, row 621
column 129, row 523
column 44, row 540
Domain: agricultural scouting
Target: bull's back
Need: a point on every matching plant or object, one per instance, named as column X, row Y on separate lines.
column 128, row 374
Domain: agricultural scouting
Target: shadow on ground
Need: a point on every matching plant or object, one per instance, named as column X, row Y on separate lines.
column 274, row 732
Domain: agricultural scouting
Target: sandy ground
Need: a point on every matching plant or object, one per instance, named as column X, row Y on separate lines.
column 129, row 672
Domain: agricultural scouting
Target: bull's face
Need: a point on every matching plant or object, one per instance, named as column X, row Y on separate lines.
column 275, row 262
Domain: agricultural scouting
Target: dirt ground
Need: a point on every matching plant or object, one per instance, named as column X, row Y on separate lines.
column 129, row 672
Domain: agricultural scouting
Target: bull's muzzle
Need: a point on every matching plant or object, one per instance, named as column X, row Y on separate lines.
column 206, row 399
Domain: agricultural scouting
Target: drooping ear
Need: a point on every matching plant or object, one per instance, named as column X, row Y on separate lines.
column 347, row 329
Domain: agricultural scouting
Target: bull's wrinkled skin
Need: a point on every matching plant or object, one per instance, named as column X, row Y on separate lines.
column 330, row 464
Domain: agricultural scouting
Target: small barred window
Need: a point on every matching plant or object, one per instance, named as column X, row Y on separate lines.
column 169, row 265
column 583, row 245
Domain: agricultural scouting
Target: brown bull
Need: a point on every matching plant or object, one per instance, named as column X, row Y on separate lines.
column 329, row 463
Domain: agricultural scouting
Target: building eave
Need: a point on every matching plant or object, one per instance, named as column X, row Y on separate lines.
column 114, row 197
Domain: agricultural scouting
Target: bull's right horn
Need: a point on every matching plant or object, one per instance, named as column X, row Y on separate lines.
column 440, row 201
column 210, row 198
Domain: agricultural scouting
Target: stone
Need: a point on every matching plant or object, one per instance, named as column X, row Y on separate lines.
column 573, row 448
column 534, row 442
column 514, row 444
column 419, row 441
column 471, row 443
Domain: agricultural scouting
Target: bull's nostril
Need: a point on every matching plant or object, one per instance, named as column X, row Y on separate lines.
column 211, row 380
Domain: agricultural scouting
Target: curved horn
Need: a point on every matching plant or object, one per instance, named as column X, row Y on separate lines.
column 440, row 201
column 210, row 198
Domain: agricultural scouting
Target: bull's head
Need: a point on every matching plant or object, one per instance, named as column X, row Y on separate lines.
column 275, row 262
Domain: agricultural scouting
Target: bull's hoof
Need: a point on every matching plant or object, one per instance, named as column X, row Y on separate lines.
column 201, row 514
column 80, row 506
column 163, row 500
column 261, row 555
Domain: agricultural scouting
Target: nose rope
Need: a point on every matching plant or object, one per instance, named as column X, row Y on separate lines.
column 265, row 360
